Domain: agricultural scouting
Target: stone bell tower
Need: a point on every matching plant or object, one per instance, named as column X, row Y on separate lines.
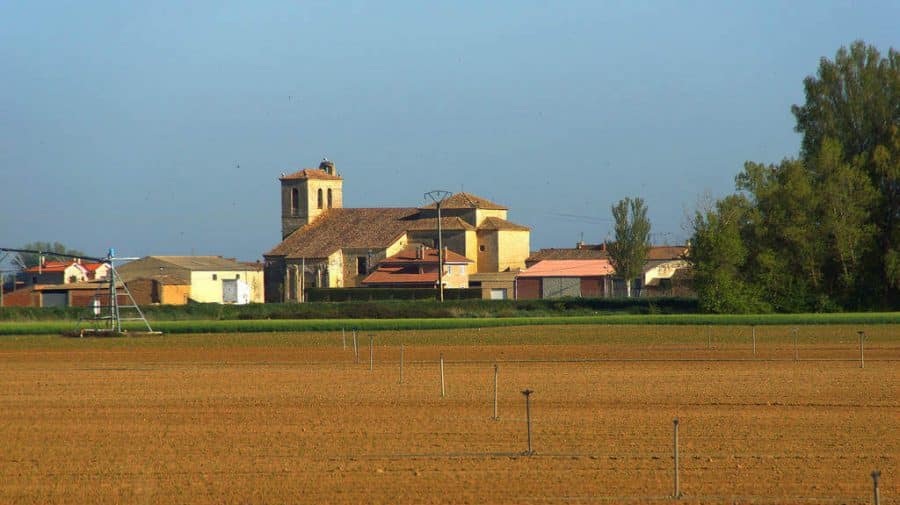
column 307, row 194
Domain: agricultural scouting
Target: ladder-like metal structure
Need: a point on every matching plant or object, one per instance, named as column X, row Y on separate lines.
column 107, row 317
column 107, row 310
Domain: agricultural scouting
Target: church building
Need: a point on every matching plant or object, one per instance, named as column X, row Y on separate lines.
column 325, row 244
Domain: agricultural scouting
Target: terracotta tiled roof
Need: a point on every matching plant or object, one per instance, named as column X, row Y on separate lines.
column 346, row 228
column 92, row 267
column 203, row 263
column 409, row 256
column 401, row 275
column 466, row 201
column 569, row 268
column 311, row 173
column 54, row 266
column 666, row 252
column 567, row 254
column 76, row 286
column 656, row 253
column 495, row 223
column 430, row 223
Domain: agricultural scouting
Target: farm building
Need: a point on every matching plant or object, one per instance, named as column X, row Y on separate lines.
column 327, row 245
column 417, row 267
column 495, row 285
column 665, row 270
column 72, row 294
column 559, row 278
column 63, row 272
column 204, row 279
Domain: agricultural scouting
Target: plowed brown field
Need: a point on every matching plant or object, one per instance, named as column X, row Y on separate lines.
column 293, row 419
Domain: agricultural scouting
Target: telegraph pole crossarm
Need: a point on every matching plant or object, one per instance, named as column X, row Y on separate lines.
column 438, row 196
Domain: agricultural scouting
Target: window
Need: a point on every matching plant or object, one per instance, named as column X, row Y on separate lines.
column 320, row 198
column 449, row 269
column 481, row 248
column 295, row 201
column 362, row 265
column 329, row 198
column 215, row 277
column 237, row 276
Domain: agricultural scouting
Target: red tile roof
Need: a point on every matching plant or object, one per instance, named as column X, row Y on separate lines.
column 311, row 173
column 339, row 229
column 53, row 266
column 569, row 268
column 409, row 256
column 401, row 275
column 495, row 223
column 447, row 223
column 92, row 267
column 466, row 201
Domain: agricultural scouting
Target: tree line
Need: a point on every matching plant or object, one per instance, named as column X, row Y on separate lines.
column 819, row 232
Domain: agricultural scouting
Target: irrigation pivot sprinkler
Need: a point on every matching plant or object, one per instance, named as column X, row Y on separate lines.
column 527, row 394
column 107, row 312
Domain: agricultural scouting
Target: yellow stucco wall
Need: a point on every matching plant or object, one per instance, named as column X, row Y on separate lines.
column 481, row 214
column 512, row 249
column 174, row 295
column 456, row 276
column 205, row 289
column 487, row 251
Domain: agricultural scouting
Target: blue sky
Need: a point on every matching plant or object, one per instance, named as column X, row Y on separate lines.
column 161, row 128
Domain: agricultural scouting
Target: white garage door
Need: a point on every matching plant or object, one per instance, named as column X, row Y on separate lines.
column 498, row 294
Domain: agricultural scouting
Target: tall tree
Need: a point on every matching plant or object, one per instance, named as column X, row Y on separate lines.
column 718, row 254
column 629, row 251
column 855, row 102
column 54, row 249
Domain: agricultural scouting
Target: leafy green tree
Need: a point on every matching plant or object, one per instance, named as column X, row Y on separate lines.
column 854, row 101
column 52, row 249
column 718, row 255
column 629, row 251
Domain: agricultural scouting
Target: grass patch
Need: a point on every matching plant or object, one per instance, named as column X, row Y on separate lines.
column 308, row 325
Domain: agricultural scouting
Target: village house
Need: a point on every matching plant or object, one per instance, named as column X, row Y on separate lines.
column 665, row 273
column 325, row 244
column 177, row 280
column 417, row 267
column 64, row 272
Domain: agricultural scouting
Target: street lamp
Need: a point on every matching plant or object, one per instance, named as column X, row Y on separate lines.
column 438, row 196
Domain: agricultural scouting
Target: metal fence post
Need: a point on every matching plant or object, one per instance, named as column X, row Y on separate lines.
column 708, row 337
column 355, row 346
column 401, row 364
column 875, row 475
column 527, row 394
column 862, row 338
column 677, row 494
column 343, row 339
column 796, row 351
column 371, row 352
column 753, row 331
column 496, row 371
column 443, row 393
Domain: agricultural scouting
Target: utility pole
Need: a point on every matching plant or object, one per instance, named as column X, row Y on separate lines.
column 438, row 196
